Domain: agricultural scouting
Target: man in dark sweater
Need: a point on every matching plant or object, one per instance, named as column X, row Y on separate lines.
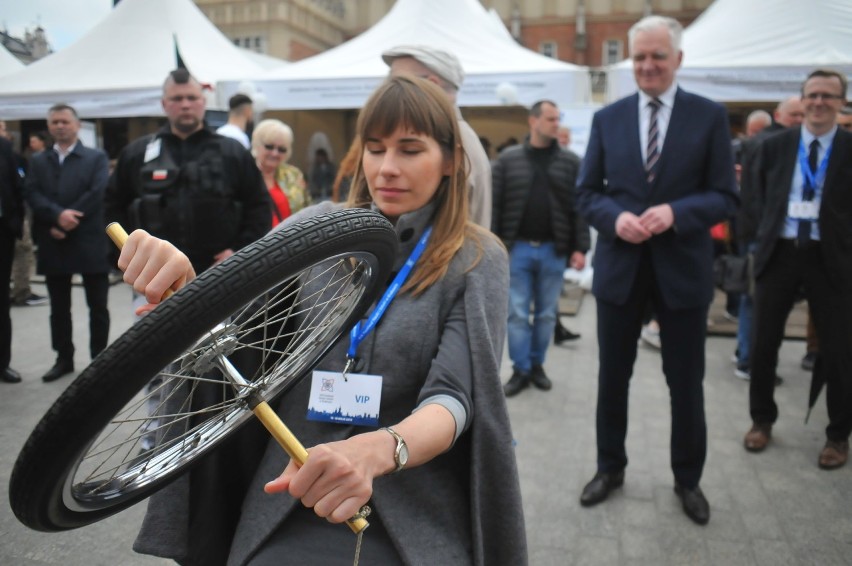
column 535, row 216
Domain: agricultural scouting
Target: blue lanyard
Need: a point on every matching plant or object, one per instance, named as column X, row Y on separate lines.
column 359, row 331
column 813, row 179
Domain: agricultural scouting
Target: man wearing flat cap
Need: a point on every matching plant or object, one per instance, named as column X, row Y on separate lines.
column 444, row 69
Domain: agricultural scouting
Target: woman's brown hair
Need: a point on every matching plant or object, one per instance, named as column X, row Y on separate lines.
column 419, row 105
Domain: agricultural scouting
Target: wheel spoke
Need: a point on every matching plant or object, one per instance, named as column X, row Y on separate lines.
column 176, row 409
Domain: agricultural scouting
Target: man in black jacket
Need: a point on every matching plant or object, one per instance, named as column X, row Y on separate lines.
column 11, row 221
column 803, row 236
column 535, row 216
column 197, row 189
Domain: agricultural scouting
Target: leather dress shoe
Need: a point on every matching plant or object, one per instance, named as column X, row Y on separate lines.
column 598, row 489
column 694, row 503
column 540, row 379
column 758, row 437
column 834, row 455
column 10, row 376
column 59, row 369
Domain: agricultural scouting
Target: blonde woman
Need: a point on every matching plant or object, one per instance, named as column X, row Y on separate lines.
column 270, row 146
column 272, row 142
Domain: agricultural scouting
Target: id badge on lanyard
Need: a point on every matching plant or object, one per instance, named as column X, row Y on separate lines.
column 355, row 398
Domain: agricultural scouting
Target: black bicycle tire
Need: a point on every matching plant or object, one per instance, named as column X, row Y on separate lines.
column 50, row 453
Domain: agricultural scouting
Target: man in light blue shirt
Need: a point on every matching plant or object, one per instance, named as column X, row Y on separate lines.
column 803, row 185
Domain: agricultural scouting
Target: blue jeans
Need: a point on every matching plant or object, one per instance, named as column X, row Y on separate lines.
column 535, row 280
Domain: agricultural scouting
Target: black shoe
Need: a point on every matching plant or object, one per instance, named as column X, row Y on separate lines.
column 516, row 383
column 61, row 368
column 562, row 334
column 540, row 379
column 10, row 376
column 694, row 504
column 598, row 489
column 808, row 361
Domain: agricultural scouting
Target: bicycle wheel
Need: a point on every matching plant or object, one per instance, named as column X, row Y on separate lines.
column 269, row 313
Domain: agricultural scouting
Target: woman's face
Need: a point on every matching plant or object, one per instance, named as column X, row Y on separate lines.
column 403, row 171
column 272, row 153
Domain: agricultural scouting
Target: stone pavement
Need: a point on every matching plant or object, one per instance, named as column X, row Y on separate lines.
column 775, row 508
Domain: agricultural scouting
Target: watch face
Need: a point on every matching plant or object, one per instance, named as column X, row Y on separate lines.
column 403, row 455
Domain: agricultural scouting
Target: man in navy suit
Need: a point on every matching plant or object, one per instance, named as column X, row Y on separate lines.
column 658, row 173
column 804, row 241
column 65, row 188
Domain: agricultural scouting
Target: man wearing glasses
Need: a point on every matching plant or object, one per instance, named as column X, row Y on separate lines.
column 804, row 236
column 195, row 188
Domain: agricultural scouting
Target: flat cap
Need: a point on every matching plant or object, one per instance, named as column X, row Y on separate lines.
column 442, row 63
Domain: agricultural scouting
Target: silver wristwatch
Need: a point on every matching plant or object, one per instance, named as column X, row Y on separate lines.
column 400, row 455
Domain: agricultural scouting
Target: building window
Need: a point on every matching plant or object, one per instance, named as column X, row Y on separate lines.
column 612, row 51
column 548, row 49
column 258, row 44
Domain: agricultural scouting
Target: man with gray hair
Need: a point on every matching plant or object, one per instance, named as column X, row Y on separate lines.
column 445, row 70
column 757, row 121
column 657, row 174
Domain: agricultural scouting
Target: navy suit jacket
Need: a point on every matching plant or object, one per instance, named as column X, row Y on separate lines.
column 777, row 161
column 695, row 176
column 78, row 183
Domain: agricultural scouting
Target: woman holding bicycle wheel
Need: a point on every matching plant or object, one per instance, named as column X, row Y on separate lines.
column 437, row 465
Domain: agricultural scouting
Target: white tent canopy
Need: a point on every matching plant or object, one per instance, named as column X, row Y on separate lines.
column 118, row 68
column 343, row 77
column 747, row 50
column 8, row 62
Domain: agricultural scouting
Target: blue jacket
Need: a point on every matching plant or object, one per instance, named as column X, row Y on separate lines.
column 695, row 176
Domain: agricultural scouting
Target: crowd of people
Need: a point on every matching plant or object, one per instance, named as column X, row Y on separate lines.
column 659, row 172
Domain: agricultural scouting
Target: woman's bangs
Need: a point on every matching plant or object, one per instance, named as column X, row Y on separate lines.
column 398, row 108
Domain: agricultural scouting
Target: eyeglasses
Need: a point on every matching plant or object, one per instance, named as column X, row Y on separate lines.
column 272, row 147
column 824, row 95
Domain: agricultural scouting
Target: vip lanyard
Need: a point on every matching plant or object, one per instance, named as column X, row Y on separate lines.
column 360, row 331
column 813, row 179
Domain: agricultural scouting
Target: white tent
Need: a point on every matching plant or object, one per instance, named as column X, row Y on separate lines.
column 118, row 68
column 343, row 77
column 751, row 50
column 8, row 62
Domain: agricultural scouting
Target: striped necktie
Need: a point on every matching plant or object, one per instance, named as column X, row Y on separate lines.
column 653, row 153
